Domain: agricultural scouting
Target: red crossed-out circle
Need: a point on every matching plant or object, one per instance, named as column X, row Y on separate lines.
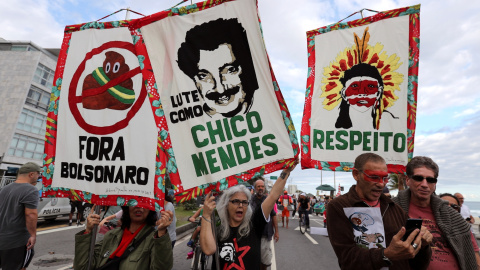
column 73, row 99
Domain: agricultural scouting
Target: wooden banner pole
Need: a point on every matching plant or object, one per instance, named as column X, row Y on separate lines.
column 93, row 239
column 216, row 259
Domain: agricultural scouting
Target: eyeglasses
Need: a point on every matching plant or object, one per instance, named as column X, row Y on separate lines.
column 376, row 178
column 455, row 206
column 237, row 202
column 419, row 178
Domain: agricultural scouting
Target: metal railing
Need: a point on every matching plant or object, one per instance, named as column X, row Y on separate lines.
column 5, row 180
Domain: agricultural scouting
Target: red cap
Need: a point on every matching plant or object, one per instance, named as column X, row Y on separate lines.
column 284, row 192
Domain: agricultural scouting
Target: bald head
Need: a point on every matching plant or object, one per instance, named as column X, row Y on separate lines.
column 460, row 198
column 259, row 186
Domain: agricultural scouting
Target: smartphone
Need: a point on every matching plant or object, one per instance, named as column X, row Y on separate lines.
column 412, row 224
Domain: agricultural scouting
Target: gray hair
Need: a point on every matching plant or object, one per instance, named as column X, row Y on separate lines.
column 421, row 161
column 255, row 179
column 362, row 159
column 222, row 208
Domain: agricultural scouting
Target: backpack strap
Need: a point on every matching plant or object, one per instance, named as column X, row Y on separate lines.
column 136, row 243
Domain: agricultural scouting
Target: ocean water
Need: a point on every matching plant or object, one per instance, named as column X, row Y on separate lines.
column 474, row 208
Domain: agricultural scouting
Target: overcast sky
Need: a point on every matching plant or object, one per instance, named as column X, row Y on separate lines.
column 448, row 114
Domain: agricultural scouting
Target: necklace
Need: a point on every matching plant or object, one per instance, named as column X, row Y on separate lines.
column 371, row 205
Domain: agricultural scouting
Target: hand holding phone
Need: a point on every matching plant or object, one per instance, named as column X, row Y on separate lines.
column 411, row 225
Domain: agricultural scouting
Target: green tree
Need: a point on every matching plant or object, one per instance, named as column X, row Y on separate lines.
column 397, row 182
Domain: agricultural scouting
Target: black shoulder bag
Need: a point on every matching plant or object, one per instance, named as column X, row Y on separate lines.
column 114, row 264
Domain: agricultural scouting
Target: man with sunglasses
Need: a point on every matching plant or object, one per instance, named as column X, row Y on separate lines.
column 365, row 227
column 452, row 240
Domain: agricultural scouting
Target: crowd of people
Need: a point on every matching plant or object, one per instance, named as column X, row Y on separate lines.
column 366, row 226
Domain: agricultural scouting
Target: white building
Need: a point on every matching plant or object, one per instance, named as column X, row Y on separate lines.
column 269, row 185
column 292, row 189
column 26, row 78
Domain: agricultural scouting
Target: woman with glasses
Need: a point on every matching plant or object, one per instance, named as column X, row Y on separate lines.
column 452, row 201
column 239, row 235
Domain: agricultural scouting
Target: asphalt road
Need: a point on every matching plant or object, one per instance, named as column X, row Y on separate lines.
column 55, row 247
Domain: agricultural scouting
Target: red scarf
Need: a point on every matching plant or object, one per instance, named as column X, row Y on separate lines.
column 127, row 238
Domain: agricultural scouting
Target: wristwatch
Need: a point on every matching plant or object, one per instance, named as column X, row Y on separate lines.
column 385, row 259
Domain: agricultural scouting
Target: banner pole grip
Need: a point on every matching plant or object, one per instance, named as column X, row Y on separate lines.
column 93, row 239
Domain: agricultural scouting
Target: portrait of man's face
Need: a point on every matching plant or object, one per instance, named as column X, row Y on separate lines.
column 218, row 79
column 227, row 253
column 216, row 56
column 361, row 92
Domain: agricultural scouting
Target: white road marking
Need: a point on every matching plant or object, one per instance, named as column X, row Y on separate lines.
column 310, row 238
column 60, row 229
column 188, row 236
column 274, row 264
column 318, row 221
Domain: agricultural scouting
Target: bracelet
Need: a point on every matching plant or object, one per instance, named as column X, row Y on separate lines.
column 209, row 221
column 283, row 175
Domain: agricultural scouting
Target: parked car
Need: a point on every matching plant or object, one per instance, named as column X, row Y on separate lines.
column 51, row 208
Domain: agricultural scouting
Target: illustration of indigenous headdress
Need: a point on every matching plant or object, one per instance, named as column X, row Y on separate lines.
column 362, row 56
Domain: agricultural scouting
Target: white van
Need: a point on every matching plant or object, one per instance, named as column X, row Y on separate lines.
column 51, row 208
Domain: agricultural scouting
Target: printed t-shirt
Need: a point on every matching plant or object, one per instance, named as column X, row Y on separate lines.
column 243, row 253
column 442, row 254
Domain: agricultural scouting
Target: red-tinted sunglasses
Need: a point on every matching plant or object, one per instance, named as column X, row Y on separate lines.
column 376, row 178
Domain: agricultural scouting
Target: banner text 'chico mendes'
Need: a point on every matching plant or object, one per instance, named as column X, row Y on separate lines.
column 239, row 152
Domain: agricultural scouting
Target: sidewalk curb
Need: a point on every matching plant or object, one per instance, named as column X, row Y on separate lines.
column 185, row 229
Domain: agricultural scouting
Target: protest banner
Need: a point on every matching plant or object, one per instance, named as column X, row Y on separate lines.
column 362, row 91
column 101, row 139
column 223, row 117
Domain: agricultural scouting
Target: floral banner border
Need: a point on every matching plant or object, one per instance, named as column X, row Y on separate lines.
column 165, row 158
column 414, row 49
column 166, row 145
column 51, row 135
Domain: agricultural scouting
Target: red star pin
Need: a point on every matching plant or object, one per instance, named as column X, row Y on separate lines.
column 245, row 249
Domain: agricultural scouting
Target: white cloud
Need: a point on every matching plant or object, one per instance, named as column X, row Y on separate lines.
column 30, row 20
column 457, row 154
column 468, row 111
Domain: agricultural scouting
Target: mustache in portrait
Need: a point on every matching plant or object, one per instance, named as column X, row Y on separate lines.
column 215, row 96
